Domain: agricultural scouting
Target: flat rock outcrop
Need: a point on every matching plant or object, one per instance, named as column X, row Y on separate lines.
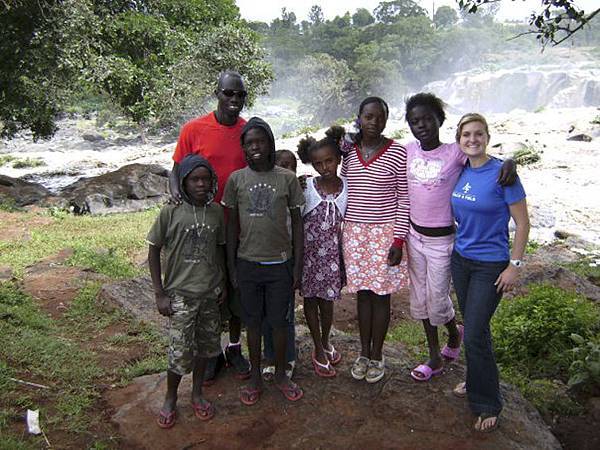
column 133, row 187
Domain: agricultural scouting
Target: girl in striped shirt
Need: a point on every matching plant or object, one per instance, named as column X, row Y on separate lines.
column 376, row 224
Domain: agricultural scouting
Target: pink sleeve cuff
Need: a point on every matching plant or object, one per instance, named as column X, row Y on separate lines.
column 398, row 243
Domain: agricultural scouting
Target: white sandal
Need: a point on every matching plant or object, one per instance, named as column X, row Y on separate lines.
column 268, row 373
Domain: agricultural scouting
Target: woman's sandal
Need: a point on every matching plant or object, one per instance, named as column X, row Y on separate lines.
column 460, row 390
column 291, row 391
column 204, row 411
column 482, row 418
column 166, row 420
column 323, row 370
column 424, row 373
column 249, row 395
column 333, row 355
column 452, row 353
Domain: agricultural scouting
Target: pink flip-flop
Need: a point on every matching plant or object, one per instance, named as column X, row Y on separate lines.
column 426, row 372
column 451, row 353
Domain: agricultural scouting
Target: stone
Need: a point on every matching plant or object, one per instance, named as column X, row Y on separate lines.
column 342, row 413
column 580, row 138
column 561, row 234
column 6, row 274
column 92, row 137
column 133, row 187
column 21, row 192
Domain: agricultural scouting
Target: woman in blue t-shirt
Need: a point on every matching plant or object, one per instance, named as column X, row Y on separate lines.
column 483, row 266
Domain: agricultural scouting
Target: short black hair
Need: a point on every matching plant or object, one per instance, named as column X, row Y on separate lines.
column 309, row 144
column 370, row 100
column 228, row 73
column 282, row 152
column 429, row 100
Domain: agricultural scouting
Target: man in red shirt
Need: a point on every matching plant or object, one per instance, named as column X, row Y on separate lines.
column 216, row 137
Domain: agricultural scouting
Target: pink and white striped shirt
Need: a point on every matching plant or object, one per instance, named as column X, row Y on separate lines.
column 378, row 190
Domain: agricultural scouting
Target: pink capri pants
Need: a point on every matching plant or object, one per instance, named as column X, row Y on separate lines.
column 429, row 272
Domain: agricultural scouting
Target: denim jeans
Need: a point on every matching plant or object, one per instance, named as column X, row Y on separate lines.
column 478, row 299
column 290, row 349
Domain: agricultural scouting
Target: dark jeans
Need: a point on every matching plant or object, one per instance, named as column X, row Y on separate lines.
column 478, row 299
column 290, row 349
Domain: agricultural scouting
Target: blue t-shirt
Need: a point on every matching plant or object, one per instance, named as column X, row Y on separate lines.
column 480, row 207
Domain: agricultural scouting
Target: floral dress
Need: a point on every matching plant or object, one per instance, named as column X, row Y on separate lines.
column 323, row 275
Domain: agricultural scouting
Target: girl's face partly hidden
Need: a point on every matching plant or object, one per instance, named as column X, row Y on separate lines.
column 372, row 120
column 425, row 126
column 256, row 147
column 325, row 161
column 473, row 139
column 198, row 184
column 287, row 161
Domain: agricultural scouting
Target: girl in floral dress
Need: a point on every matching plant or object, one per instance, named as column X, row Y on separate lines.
column 323, row 275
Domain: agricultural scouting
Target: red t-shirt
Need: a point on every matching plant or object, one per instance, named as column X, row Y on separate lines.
column 219, row 144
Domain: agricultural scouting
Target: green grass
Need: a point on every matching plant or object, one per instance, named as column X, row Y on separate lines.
column 587, row 268
column 411, row 335
column 5, row 159
column 50, row 352
column 27, row 163
column 104, row 243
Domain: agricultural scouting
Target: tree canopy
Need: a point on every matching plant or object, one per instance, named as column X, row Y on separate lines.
column 135, row 52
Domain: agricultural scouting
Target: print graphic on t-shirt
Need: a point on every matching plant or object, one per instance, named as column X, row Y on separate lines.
column 426, row 171
column 261, row 199
column 195, row 243
column 464, row 195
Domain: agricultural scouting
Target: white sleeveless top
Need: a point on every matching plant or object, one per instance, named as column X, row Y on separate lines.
column 313, row 199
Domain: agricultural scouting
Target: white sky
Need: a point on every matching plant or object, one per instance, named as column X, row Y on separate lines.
column 266, row 11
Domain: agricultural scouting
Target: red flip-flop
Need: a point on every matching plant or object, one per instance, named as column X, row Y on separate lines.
column 204, row 411
column 323, row 370
column 333, row 355
column 249, row 395
column 169, row 419
column 291, row 391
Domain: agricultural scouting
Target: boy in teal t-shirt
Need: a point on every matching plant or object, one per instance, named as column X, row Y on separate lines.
column 192, row 235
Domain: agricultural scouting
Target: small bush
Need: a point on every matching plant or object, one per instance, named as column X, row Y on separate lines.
column 527, row 155
column 5, row 159
column 398, row 134
column 28, row 162
column 533, row 333
column 585, row 369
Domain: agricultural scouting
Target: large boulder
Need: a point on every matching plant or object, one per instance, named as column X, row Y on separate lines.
column 131, row 188
column 338, row 413
column 22, row 193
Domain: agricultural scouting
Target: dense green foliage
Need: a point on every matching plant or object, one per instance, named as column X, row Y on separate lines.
column 533, row 332
column 136, row 53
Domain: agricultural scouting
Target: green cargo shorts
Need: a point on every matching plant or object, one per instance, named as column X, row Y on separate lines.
column 194, row 331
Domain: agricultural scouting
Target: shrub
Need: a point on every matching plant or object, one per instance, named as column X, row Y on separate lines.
column 585, row 369
column 533, row 332
column 28, row 162
column 527, row 155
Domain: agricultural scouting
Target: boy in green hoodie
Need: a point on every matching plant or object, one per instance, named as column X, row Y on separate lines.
column 193, row 237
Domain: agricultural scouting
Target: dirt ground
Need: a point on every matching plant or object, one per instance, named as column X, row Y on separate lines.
column 396, row 413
